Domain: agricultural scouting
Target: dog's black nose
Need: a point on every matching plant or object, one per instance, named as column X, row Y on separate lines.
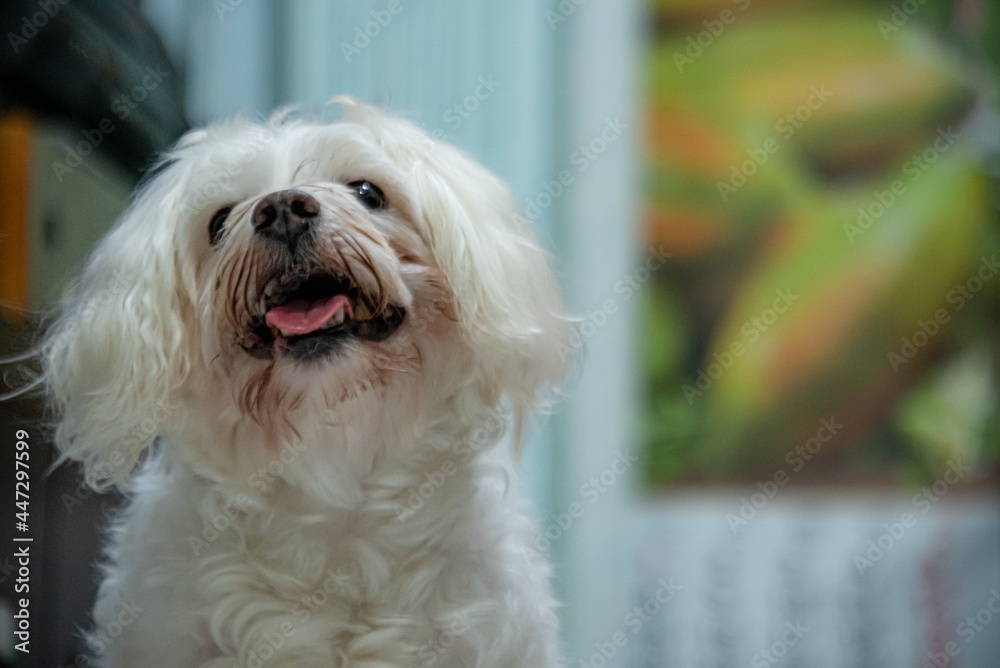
column 285, row 216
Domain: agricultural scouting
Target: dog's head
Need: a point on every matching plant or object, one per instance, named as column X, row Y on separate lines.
column 274, row 279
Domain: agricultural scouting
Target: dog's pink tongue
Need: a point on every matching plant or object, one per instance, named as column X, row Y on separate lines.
column 301, row 316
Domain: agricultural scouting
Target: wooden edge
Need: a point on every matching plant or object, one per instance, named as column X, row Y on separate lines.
column 16, row 135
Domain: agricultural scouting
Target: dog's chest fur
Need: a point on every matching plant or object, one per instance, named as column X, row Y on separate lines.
column 454, row 582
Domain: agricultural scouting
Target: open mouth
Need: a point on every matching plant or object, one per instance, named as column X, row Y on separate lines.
column 312, row 317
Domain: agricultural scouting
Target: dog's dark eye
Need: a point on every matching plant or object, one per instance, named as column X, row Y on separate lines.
column 368, row 194
column 215, row 225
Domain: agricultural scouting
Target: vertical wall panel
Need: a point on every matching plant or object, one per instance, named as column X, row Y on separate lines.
column 597, row 63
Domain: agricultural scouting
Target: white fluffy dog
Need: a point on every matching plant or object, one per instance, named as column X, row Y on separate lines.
column 298, row 352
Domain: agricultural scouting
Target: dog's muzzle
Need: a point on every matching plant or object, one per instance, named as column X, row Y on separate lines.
column 302, row 312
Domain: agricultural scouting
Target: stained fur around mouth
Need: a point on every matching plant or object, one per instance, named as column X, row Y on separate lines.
column 372, row 321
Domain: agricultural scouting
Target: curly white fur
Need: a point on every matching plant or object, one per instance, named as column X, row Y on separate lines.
column 353, row 510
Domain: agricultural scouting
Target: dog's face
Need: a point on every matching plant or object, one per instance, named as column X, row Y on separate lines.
column 272, row 279
column 326, row 270
column 314, row 268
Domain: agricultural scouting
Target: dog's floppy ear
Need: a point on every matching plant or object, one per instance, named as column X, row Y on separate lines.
column 118, row 351
column 506, row 295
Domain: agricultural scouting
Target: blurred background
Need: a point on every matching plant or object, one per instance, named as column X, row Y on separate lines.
column 776, row 220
